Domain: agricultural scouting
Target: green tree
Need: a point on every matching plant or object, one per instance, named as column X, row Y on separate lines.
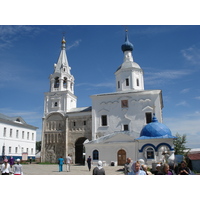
column 179, row 145
column 38, row 145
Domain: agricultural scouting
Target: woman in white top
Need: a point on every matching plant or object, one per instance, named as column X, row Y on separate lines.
column 18, row 168
column 5, row 167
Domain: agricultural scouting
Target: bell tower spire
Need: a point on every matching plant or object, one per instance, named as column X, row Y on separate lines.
column 61, row 79
column 61, row 96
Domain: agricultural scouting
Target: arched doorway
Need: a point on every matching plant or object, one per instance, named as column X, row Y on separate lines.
column 121, row 157
column 79, row 150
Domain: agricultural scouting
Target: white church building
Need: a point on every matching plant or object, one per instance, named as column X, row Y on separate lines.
column 125, row 123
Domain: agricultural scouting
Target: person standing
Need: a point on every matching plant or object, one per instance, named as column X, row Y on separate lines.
column 5, row 167
column 183, row 169
column 11, row 161
column 99, row 170
column 127, row 166
column 89, row 160
column 30, row 160
column 158, row 169
column 136, row 169
column 17, row 168
column 145, row 169
column 165, row 170
column 68, row 162
column 60, row 163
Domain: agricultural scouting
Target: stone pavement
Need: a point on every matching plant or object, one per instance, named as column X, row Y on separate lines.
column 40, row 169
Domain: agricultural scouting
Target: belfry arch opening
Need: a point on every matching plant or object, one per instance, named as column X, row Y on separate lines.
column 80, row 151
column 56, row 82
column 65, row 82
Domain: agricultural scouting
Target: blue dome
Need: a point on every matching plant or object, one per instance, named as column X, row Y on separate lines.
column 127, row 46
column 155, row 130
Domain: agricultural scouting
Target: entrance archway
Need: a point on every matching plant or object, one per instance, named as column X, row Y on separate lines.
column 121, row 157
column 79, row 150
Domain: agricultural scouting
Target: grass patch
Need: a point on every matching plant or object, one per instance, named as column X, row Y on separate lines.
column 46, row 163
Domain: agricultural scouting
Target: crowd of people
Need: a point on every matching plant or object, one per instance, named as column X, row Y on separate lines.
column 98, row 170
column 130, row 168
column 139, row 168
column 11, row 167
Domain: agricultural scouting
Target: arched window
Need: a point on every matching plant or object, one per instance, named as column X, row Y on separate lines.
column 137, row 82
column 150, row 153
column 56, row 83
column 65, row 82
column 71, row 86
column 95, row 155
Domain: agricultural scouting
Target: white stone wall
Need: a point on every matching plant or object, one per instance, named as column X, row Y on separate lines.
column 134, row 115
column 63, row 99
column 108, row 152
column 14, row 142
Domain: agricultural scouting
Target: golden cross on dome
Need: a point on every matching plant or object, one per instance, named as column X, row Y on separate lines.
column 63, row 40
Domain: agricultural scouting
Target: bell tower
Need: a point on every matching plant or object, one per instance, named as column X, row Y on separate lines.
column 129, row 76
column 61, row 96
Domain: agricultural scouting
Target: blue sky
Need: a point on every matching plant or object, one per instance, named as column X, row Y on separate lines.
column 168, row 54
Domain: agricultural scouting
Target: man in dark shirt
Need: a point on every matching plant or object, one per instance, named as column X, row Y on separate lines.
column 89, row 163
column 183, row 169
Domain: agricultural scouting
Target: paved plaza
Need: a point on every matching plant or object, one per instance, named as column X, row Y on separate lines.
column 40, row 169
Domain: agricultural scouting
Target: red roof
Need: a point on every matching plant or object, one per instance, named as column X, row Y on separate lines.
column 194, row 156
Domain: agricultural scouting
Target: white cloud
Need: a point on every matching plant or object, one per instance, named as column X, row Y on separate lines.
column 154, row 30
column 75, row 44
column 9, row 34
column 97, row 85
column 186, row 125
column 198, row 98
column 184, row 91
column 182, row 103
column 192, row 54
column 9, row 73
column 29, row 116
column 162, row 76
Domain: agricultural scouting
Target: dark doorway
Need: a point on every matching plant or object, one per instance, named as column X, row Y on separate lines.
column 79, row 150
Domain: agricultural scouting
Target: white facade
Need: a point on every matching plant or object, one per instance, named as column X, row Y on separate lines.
column 119, row 117
column 16, row 137
column 113, row 147
column 124, row 111
column 111, row 129
column 109, row 146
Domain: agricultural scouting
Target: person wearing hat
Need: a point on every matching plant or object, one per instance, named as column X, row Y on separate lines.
column 158, row 169
column 5, row 167
column 99, row 170
column 18, row 168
